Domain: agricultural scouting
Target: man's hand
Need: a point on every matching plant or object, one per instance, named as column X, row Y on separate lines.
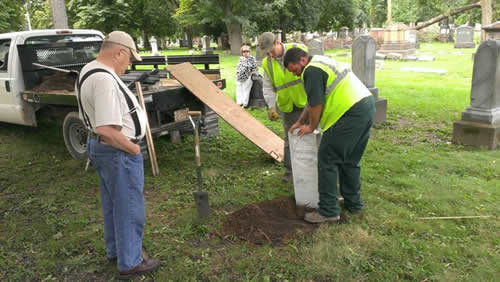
column 304, row 129
column 294, row 126
column 272, row 114
column 112, row 135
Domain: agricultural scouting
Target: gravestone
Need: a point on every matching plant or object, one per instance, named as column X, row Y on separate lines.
column 154, row 46
column 444, row 30
column 480, row 124
column 492, row 31
column 315, row 47
column 412, row 37
column 396, row 41
column 363, row 66
column 205, row 43
column 343, row 33
column 465, row 37
column 356, row 33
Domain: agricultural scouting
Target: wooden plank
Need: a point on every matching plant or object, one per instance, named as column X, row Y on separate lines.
column 228, row 110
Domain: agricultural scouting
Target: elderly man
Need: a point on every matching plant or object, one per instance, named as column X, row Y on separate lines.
column 344, row 108
column 281, row 88
column 116, row 124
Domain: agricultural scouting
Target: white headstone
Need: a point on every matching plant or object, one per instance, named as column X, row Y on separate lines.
column 154, row 46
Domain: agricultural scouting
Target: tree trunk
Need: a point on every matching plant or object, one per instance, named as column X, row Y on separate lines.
column 486, row 16
column 283, row 33
column 59, row 17
column 389, row 12
column 234, row 31
column 145, row 39
column 452, row 13
column 190, row 39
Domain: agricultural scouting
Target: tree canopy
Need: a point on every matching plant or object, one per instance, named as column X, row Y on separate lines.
column 236, row 18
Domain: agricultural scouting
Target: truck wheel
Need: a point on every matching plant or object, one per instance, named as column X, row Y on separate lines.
column 75, row 136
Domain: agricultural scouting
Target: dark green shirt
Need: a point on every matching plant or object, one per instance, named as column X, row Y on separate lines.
column 315, row 80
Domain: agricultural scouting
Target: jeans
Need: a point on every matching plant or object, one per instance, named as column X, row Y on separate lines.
column 340, row 151
column 122, row 201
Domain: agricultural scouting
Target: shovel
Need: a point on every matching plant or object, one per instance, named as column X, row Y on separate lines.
column 200, row 197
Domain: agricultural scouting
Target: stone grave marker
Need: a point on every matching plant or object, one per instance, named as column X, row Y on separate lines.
column 492, row 31
column 316, row 47
column 480, row 124
column 154, row 46
column 363, row 66
column 343, row 33
column 412, row 37
column 205, row 42
column 465, row 37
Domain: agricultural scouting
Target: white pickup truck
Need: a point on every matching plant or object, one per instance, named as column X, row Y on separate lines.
column 28, row 91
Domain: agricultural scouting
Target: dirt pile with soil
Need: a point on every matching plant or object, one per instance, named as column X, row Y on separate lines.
column 60, row 81
column 273, row 221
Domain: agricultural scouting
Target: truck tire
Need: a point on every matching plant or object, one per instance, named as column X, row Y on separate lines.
column 75, row 136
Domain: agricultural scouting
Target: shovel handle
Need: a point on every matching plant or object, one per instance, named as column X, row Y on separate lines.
column 194, row 113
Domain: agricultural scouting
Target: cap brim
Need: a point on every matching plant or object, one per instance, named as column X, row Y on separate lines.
column 265, row 50
column 136, row 56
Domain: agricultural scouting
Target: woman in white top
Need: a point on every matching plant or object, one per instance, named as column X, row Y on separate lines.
column 246, row 66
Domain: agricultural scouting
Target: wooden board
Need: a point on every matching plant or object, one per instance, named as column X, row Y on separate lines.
column 228, row 110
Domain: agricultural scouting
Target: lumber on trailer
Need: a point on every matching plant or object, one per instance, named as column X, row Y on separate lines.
column 228, row 110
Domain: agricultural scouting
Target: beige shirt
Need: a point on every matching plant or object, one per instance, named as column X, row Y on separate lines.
column 104, row 103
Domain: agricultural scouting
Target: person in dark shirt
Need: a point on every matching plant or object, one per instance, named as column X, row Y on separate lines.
column 343, row 108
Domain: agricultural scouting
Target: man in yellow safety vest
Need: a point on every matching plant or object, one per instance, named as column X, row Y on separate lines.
column 282, row 89
column 344, row 109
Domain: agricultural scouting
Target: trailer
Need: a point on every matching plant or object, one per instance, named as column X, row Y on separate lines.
column 30, row 87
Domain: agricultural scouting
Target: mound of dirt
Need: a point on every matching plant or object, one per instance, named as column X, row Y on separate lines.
column 58, row 82
column 273, row 221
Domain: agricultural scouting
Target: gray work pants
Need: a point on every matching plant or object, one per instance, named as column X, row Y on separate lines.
column 288, row 120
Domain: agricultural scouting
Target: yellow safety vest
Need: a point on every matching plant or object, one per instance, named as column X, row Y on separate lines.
column 343, row 89
column 288, row 87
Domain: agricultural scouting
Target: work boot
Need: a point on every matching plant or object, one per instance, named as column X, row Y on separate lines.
column 287, row 177
column 146, row 266
column 315, row 217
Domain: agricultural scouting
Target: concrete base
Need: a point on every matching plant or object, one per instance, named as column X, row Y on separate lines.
column 476, row 134
column 207, row 51
column 380, row 106
column 464, row 45
column 381, row 110
column 406, row 49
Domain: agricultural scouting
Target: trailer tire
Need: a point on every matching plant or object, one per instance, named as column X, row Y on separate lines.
column 75, row 136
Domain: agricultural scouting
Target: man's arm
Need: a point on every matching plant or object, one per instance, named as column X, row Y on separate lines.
column 112, row 136
column 268, row 91
column 309, row 120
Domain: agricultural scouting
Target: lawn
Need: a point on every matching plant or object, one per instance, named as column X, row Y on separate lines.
column 51, row 226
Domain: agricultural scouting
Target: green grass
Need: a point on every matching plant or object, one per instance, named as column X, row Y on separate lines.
column 51, row 227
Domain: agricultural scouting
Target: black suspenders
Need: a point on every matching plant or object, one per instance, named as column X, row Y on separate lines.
column 132, row 109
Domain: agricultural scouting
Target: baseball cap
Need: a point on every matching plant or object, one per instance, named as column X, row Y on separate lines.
column 266, row 42
column 124, row 39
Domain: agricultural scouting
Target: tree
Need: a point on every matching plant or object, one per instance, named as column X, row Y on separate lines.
column 370, row 12
column 11, row 15
column 405, row 11
column 59, row 16
column 336, row 13
column 40, row 12
column 103, row 15
column 232, row 13
column 152, row 18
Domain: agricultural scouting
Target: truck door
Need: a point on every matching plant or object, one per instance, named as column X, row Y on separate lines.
column 11, row 104
column 4, row 74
